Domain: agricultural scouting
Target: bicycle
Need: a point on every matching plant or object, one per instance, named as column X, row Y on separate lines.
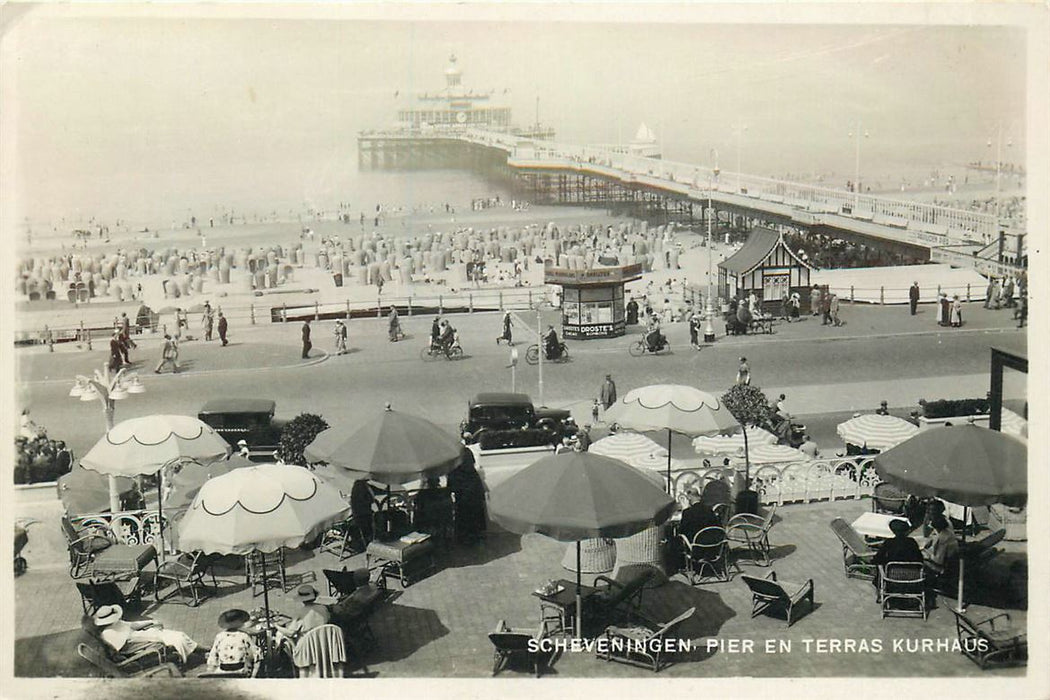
column 641, row 347
column 532, row 355
column 432, row 352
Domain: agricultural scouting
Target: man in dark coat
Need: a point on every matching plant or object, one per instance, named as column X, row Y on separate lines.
column 306, row 339
column 608, row 392
column 223, row 327
column 469, row 491
column 913, row 297
column 899, row 548
column 696, row 517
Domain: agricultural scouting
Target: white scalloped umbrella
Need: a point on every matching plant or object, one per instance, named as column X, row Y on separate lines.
column 260, row 509
column 143, row 445
column 876, row 431
column 770, row 454
column 674, row 408
column 732, row 444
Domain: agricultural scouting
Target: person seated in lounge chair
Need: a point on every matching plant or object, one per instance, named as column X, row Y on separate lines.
column 128, row 637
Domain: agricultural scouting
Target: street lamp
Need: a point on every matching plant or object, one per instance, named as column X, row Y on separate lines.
column 709, row 311
column 855, row 134
column 108, row 388
column 739, row 130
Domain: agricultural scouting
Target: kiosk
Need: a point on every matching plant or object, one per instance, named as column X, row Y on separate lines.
column 592, row 301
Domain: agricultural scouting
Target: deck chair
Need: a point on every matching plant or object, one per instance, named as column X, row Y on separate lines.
column 153, row 654
column 641, row 646
column 857, row 556
column 83, row 544
column 990, row 642
column 343, row 538
column 98, row 659
column 706, row 556
column 613, row 600
column 95, row 594
column 320, row 653
column 902, row 589
column 887, row 498
column 510, row 643
column 343, row 583
column 187, row 570
column 358, row 600
column 752, row 531
column 768, row 593
column 979, row 553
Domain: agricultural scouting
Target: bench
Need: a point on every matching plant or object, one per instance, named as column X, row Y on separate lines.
column 857, row 556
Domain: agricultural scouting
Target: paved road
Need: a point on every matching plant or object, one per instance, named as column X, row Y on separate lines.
column 823, row 370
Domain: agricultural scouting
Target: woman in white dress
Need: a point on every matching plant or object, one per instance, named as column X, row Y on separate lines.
column 128, row 637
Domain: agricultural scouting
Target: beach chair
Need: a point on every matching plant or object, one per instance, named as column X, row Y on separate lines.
column 640, row 645
column 857, row 556
column 991, row 642
column 97, row 658
column 902, row 589
column 510, row 643
column 769, row 593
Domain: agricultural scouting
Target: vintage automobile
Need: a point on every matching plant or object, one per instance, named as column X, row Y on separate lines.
column 251, row 420
column 505, row 420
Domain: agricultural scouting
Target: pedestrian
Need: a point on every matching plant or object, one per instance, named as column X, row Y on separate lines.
column 991, row 294
column 306, row 339
column 743, row 373
column 595, row 411
column 125, row 329
column 1007, row 293
column 814, row 301
column 607, row 394
column 796, row 306
column 115, row 360
column 884, row 409
column 943, row 309
column 242, row 448
column 835, row 310
column 956, row 312
column 1022, row 311
column 913, row 297
column 583, row 438
column 340, row 337
column 825, row 309
column 207, row 321
column 694, row 330
column 223, row 329
column 506, row 330
column 169, row 354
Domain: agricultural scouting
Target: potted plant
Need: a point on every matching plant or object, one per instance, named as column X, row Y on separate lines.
column 297, row 434
column 750, row 407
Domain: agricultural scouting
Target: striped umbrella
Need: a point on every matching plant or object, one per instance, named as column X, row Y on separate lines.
column 627, row 446
column 875, row 431
column 732, row 444
column 770, row 454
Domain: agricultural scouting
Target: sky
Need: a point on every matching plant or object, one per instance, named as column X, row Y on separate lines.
column 133, row 115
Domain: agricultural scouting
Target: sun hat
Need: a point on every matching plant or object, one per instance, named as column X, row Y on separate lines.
column 108, row 614
column 307, row 593
column 242, row 442
column 899, row 526
column 233, row 619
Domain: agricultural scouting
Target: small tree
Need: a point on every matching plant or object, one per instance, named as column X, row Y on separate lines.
column 750, row 407
column 297, row 434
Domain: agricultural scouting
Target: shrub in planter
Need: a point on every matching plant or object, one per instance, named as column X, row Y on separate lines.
column 949, row 408
column 296, row 435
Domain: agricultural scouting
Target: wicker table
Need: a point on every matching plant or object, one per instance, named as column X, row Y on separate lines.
column 402, row 559
column 123, row 560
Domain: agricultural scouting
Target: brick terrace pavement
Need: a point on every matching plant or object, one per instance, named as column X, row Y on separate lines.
column 438, row 627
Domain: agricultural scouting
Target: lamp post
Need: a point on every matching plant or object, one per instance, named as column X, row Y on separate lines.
column 739, row 137
column 855, row 134
column 709, row 311
column 108, row 388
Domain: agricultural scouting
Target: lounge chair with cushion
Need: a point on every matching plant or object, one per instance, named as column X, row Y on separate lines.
column 640, row 645
column 519, row 643
column 152, row 654
column 707, row 556
column 768, row 593
column 752, row 532
column 613, row 600
column 358, row 598
column 98, row 659
column 95, row 594
column 857, row 557
column 902, row 589
column 186, row 570
column 84, row 544
column 992, row 642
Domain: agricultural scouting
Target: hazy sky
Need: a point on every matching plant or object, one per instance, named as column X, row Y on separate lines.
column 134, row 114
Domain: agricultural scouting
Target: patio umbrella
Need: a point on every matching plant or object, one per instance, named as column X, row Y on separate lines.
column 145, row 445
column 964, row 464
column 578, row 495
column 260, row 508
column 85, row 491
column 627, row 446
column 674, row 408
column 394, row 448
column 771, row 454
column 875, row 431
column 727, row 445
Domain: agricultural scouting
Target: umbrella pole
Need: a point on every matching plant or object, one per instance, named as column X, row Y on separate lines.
column 266, row 606
column 959, row 606
column 579, row 602
column 670, row 488
column 160, row 510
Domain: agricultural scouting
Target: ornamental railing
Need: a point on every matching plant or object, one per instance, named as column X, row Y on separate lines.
column 132, row 527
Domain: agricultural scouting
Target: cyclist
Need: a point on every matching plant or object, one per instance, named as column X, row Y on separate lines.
column 435, row 332
column 447, row 336
column 653, row 338
column 551, row 346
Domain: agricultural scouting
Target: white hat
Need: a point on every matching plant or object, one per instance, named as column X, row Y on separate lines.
column 242, row 442
column 108, row 614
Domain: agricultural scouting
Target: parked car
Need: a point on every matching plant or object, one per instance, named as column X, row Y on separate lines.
column 502, row 419
column 251, row 420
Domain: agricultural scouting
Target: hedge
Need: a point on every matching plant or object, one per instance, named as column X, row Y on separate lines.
column 950, row 408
